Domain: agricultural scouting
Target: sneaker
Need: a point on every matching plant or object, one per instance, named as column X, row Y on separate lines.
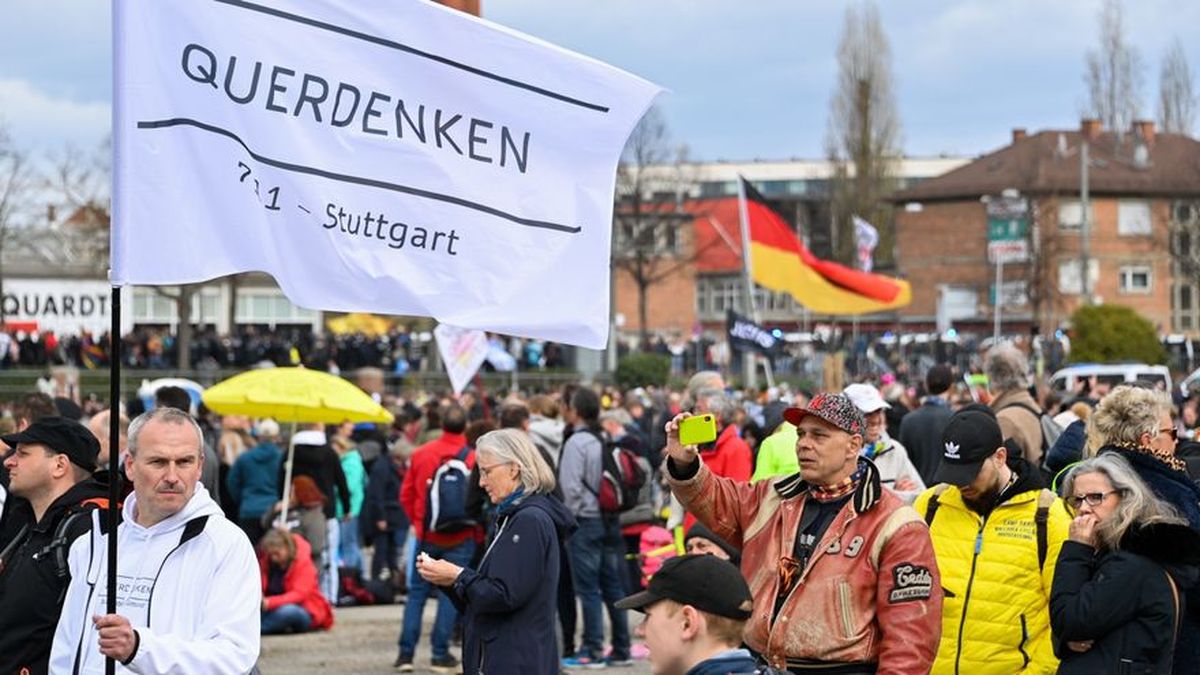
column 403, row 664
column 579, row 661
column 446, row 664
column 618, row 662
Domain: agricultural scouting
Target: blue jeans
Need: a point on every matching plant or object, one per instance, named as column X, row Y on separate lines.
column 286, row 619
column 419, row 590
column 596, row 550
column 348, row 544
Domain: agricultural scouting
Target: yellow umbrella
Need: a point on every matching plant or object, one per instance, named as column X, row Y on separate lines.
column 294, row 395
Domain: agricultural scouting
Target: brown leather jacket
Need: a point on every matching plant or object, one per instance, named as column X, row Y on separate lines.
column 871, row 593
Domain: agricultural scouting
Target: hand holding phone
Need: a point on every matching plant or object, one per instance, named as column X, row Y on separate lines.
column 698, row 429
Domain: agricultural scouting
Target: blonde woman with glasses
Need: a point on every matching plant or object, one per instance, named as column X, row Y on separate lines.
column 1117, row 600
column 508, row 604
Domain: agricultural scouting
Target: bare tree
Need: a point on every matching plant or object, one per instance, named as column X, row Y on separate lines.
column 1176, row 92
column 1114, row 73
column 863, row 137
column 80, row 181
column 17, row 185
column 649, row 220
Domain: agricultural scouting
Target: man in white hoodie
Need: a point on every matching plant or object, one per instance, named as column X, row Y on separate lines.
column 188, row 593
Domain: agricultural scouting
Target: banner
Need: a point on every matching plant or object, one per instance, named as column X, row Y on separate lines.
column 394, row 158
column 867, row 238
column 463, row 351
column 744, row 334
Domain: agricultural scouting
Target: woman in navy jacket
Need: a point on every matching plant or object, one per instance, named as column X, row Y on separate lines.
column 1117, row 599
column 509, row 603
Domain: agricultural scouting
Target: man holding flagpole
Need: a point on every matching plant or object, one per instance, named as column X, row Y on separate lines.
column 188, row 591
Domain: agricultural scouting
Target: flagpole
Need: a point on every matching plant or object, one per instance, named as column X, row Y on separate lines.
column 114, row 451
column 749, row 370
column 116, row 278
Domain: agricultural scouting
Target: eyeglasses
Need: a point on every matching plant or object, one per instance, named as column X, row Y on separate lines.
column 485, row 470
column 1092, row 498
column 1172, row 432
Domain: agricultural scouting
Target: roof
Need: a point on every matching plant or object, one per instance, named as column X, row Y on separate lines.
column 1048, row 162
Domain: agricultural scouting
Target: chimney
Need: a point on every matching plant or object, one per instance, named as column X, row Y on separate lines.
column 1144, row 129
column 1089, row 128
column 1018, row 135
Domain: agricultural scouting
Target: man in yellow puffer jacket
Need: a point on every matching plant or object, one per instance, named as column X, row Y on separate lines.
column 996, row 534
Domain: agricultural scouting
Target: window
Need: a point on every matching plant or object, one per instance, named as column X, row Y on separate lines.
column 1185, row 297
column 1070, row 215
column 1069, row 280
column 1133, row 217
column 1135, row 279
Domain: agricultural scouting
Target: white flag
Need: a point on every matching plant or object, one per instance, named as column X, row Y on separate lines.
column 463, row 351
column 398, row 158
column 867, row 238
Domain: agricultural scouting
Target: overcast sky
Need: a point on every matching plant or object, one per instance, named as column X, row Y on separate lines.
column 747, row 79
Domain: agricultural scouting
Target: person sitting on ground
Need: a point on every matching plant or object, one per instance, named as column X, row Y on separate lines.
column 292, row 601
column 1116, row 600
column 696, row 609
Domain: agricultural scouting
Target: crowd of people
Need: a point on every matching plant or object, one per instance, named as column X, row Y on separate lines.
column 886, row 527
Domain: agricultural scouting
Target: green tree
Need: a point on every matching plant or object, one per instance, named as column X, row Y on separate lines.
column 643, row 369
column 1111, row 333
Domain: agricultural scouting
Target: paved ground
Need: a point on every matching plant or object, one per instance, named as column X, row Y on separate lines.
column 362, row 641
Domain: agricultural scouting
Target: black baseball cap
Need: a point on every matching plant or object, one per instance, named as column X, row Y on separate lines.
column 705, row 582
column 63, row 436
column 970, row 437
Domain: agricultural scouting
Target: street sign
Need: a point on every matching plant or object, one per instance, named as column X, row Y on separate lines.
column 1014, row 294
column 1007, row 229
column 1008, row 251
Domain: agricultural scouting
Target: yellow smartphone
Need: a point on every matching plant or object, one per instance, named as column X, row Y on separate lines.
column 698, row 429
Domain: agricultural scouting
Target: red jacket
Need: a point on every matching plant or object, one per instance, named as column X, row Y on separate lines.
column 871, row 592
column 414, row 491
column 299, row 586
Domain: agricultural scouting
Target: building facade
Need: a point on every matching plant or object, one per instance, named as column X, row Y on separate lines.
column 1138, row 185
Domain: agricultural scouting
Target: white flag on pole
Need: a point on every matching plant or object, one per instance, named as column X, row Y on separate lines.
column 463, row 351
column 399, row 157
column 867, row 238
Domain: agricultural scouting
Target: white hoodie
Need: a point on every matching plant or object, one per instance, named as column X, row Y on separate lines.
column 203, row 596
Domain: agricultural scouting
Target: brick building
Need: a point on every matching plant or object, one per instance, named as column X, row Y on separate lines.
column 1141, row 185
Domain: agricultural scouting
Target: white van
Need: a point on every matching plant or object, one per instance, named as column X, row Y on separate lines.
column 1064, row 381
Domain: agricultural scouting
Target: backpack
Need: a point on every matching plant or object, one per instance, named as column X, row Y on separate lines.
column 1046, row 499
column 446, row 503
column 1050, row 429
column 621, row 477
column 74, row 523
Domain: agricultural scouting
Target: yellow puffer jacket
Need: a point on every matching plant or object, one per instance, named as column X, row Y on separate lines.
column 995, row 616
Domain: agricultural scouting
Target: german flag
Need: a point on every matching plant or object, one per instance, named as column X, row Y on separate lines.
column 780, row 262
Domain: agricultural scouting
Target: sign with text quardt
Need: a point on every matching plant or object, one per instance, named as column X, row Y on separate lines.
column 389, row 157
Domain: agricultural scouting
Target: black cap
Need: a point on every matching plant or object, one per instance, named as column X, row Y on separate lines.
column 63, row 436
column 705, row 582
column 970, row 437
column 699, row 531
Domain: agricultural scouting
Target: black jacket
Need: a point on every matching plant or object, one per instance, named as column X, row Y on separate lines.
column 322, row 464
column 1177, row 489
column 1123, row 601
column 509, row 604
column 31, row 592
column 382, row 500
column 921, row 434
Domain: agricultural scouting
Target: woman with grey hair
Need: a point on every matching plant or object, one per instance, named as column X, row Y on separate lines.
column 509, row 603
column 1116, row 602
